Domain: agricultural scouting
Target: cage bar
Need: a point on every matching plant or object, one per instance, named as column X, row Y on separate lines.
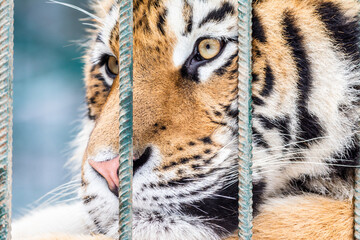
column 125, row 118
column 357, row 191
column 357, row 204
column 6, row 76
column 244, row 117
column 357, row 200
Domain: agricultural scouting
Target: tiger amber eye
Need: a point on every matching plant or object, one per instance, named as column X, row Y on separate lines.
column 209, row 48
column 113, row 65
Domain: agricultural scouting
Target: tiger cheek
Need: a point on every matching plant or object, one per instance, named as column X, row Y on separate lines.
column 104, row 137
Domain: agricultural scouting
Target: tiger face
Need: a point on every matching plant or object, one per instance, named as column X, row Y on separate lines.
column 185, row 182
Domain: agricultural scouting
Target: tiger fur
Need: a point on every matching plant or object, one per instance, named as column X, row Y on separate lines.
column 305, row 80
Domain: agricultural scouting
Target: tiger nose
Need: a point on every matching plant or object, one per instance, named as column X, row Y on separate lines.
column 109, row 171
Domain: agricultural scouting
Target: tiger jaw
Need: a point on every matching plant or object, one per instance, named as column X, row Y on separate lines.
column 161, row 198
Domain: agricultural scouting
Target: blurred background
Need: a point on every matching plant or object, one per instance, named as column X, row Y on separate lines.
column 48, row 95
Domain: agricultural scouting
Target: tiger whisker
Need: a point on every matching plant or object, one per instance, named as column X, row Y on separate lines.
column 64, row 190
column 59, row 195
column 280, row 159
column 292, row 144
column 317, row 163
column 78, row 9
column 90, row 24
column 274, row 157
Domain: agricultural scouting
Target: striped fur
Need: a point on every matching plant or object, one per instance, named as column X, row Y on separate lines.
column 306, row 80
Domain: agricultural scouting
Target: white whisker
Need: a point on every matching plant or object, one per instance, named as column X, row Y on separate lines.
column 78, row 9
column 91, row 25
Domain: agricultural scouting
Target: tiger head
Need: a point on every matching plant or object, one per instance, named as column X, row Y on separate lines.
column 185, row 72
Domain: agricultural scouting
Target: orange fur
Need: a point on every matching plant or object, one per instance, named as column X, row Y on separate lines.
column 304, row 218
column 163, row 99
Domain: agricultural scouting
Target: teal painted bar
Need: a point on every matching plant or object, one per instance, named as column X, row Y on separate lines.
column 126, row 118
column 6, row 76
column 357, row 204
column 245, row 132
column 357, row 201
column 357, row 194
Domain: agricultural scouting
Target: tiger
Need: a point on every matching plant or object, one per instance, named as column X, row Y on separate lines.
column 305, row 107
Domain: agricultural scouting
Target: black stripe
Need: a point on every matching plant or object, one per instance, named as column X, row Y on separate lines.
column 88, row 199
column 280, row 123
column 92, row 100
column 265, row 122
column 218, row 14
column 258, row 191
column 90, row 116
column 284, row 128
column 234, row 113
column 345, row 31
column 258, row 32
column 255, row 77
column 222, row 70
column 259, row 138
column 97, row 224
column 98, row 38
column 349, row 158
column 143, row 21
column 257, row 101
column 100, row 77
column 161, row 21
column 93, row 67
column 299, row 185
column 269, row 82
column 189, row 23
column 137, row 3
column 309, row 124
column 181, row 182
column 154, row 3
column 188, row 28
column 217, row 210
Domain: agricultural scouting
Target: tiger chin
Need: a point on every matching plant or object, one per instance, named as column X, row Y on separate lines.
column 305, row 85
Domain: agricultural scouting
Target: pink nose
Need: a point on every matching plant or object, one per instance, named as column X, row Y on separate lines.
column 109, row 170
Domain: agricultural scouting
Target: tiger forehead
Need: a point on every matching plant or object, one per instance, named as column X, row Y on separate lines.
column 148, row 20
column 151, row 17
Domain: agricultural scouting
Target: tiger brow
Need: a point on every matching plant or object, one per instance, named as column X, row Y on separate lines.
column 218, row 15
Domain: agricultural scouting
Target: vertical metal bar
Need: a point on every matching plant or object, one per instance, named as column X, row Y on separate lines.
column 357, row 191
column 245, row 132
column 126, row 118
column 357, row 203
column 357, row 198
column 6, row 75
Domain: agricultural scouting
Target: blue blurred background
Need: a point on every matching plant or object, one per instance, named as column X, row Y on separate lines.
column 48, row 95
